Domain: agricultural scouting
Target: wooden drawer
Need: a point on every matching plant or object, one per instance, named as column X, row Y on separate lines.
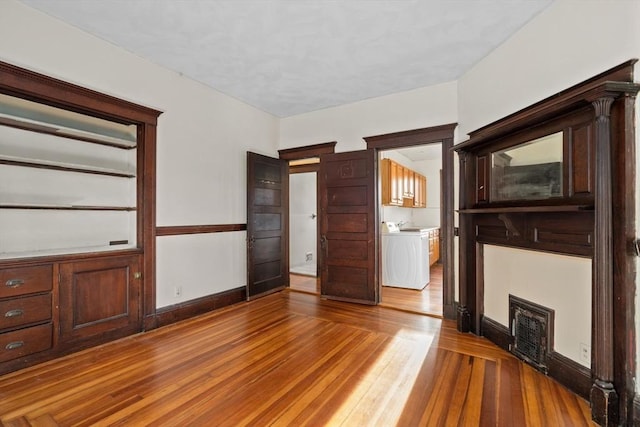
column 24, row 342
column 22, row 311
column 25, row 280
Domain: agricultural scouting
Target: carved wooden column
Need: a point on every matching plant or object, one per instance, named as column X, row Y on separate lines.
column 447, row 230
column 465, row 240
column 604, row 399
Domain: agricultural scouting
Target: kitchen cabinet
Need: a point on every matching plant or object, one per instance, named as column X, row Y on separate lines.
column 420, row 194
column 434, row 246
column 408, row 183
column 77, row 199
column 401, row 186
column 392, row 178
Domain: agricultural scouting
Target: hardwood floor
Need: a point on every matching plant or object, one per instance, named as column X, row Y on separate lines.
column 302, row 283
column 426, row 301
column 292, row 359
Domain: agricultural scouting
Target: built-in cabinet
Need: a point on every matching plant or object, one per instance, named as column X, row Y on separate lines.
column 76, row 217
column 402, row 186
column 434, row 246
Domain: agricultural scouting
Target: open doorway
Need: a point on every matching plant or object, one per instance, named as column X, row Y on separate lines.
column 303, row 230
column 439, row 194
column 410, row 207
column 304, row 165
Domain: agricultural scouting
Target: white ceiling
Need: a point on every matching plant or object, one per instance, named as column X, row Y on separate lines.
column 422, row 152
column 289, row 57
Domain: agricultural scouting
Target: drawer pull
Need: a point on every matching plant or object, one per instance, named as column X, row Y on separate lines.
column 14, row 345
column 14, row 283
column 14, row 313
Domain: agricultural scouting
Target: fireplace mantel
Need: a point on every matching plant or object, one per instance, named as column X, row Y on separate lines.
column 581, row 203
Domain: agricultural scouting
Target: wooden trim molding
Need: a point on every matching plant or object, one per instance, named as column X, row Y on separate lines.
column 304, row 168
column 433, row 135
column 38, row 87
column 567, row 372
column 496, row 333
column 636, row 410
column 307, row 151
column 409, row 138
column 177, row 230
column 185, row 310
column 552, row 106
column 571, row 374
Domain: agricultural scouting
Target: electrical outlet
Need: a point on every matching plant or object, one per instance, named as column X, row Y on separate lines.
column 309, row 256
column 177, row 291
column 585, row 353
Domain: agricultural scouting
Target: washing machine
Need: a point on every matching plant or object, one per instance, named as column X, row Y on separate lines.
column 405, row 257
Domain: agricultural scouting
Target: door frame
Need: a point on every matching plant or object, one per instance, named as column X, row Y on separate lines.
column 308, row 152
column 432, row 135
column 308, row 168
column 443, row 134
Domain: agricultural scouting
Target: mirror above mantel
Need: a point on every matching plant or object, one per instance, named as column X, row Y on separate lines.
column 528, row 171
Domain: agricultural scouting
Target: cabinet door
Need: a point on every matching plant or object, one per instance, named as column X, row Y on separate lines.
column 389, row 187
column 100, row 298
column 419, row 183
column 396, row 183
column 407, row 183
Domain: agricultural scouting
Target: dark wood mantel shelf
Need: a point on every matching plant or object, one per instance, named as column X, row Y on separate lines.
column 525, row 209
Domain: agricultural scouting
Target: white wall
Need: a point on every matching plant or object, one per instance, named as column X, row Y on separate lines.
column 570, row 41
column 567, row 43
column 202, row 139
column 431, row 214
column 302, row 227
column 348, row 124
column 553, row 281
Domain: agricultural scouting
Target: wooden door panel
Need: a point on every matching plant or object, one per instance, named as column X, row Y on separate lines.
column 109, row 286
column 347, row 223
column 348, row 196
column 349, row 250
column 267, row 249
column 348, row 227
column 267, row 223
column 350, row 283
column 267, row 197
column 100, row 298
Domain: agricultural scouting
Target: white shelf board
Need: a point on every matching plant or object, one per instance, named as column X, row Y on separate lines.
column 66, row 131
column 65, row 251
column 79, row 167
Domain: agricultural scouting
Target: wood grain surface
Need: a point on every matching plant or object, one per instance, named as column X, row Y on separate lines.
column 291, row 359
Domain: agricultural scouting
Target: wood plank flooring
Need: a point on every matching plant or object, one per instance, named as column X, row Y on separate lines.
column 291, row 359
column 302, row 283
column 425, row 301
column 428, row 300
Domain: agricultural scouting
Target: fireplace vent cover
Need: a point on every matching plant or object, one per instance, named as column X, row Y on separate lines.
column 531, row 331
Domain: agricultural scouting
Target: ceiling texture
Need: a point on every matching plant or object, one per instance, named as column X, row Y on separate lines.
column 290, row 57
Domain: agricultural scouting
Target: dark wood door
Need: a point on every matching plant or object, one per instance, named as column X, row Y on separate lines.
column 267, row 225
column 100, row 299
column 348, row 227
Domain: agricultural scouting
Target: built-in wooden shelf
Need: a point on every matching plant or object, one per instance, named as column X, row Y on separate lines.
column 67, row 207
column 525, row 209
column 65, row 251
column 65, row 132
column 63, row 166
